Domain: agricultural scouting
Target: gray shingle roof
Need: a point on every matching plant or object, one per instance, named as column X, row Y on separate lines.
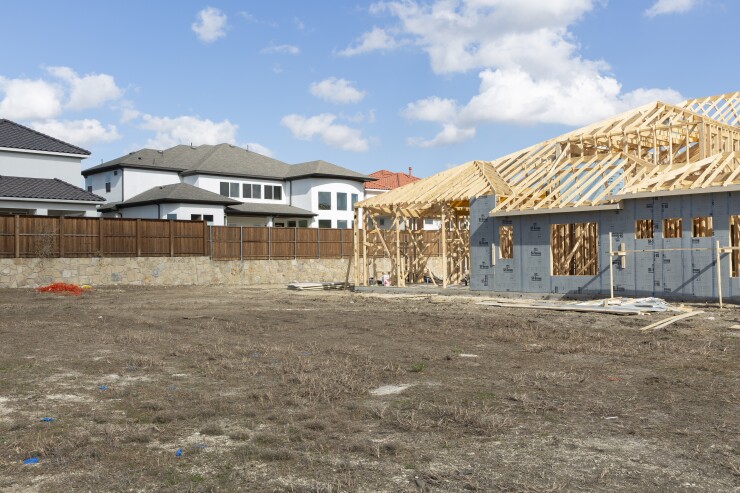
column 223, row 160
column 16, row 136
column 259, row 209
column 322, row 168
column 43, row 188
column 179, row 193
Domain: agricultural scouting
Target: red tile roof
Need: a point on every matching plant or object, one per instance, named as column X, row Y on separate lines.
column 388, row 180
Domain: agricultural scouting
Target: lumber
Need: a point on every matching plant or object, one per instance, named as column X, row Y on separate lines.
column 668, row 321
column 562, row 308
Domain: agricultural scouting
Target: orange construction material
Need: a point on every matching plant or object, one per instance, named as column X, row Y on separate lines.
column 61, row 288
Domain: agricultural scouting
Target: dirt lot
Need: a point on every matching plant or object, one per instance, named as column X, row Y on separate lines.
column 263, row 389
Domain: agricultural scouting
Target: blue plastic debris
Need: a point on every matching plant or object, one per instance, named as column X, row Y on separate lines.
column 178, row 452
column 103, row 387
column 31, row 460
column 47, row 420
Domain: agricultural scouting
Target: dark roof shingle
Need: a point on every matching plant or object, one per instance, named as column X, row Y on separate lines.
column 16, row 136
column 177, row 192
column 43, row 188
column 257, row 209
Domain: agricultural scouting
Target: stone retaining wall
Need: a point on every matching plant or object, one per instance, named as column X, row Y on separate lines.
column 178, row 271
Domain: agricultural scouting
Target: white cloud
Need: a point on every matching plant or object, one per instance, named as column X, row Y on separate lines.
column 25, row 99
column 259, row 149
column 375, row 40
column 78, row 132
column 670, row 7
column 88, row 91
column 288, row 49
column 526, row 57
column 210, row 25
column 336, row 91
column 187, row 130
column 432, row 109
column 450, row 134
column 333, row 135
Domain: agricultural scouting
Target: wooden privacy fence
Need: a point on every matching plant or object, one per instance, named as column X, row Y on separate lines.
column 46, row 236
column 24, row 236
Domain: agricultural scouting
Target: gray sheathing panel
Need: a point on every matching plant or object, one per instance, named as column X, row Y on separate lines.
column 681, row 273
column 481, row 241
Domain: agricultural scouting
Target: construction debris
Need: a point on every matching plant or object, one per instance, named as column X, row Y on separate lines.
column 317, row 286
column 614, row 306
column 668, row 321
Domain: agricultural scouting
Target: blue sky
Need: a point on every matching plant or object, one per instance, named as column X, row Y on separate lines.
column 366, row 85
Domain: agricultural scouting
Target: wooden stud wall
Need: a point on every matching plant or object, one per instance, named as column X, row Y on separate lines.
column 575, row 249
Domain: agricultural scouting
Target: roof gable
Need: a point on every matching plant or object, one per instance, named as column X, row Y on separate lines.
column 44, row 189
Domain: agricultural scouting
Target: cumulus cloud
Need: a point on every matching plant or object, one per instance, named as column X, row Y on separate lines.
column 259, row 149
column 450, row 134
column 78, row 132
column 336, row 91
column 187, row 130
column 287, row 49
column 661, row 7
column 209, row 25
column 375, row 40
column 525, row 55
column 26, row 99
column 88, row 91
column 323, row 126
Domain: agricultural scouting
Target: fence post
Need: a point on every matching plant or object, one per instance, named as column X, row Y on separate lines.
column 17, row 236
column 61, row 236
column 210, row 241
column 138, row 237
column 100, row 236
column 318, row 241
column 172, row 238
column 295, row 243
column 241, row 243
column 206, row 239
column 269, row 242
column 341, row 243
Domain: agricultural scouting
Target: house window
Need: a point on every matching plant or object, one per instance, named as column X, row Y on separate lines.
column 277, row 193
column 256, row 191
column 701, row 227
column 107, row 187
column 428, row 221
column 574, row 249
column 342, row 224
column 341, row 201
column 279, row 225
column 196, row 217
column 506, row 241
column 303, row 223
column 381, row 222
column 355, row 198
column 644, row 229
column 89, row 188
column 233, row 190
column 115, row 173
column 325, row 201
column 324, row 223
column 672, row 228
column 291, row 224
column 225, row 188
column 171, row 217
column 247, row 191
column 209, row 219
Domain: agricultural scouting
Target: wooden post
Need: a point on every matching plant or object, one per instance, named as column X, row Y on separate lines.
column 61, row 236
column 172, row 237
column 17, row 237
column 100, row 236
column 611, row 268
column 719, row 274
column 206, row 239
column 356, row 246
column 365, row 215
column 318, row 241
column 398, row 250
column 444, row 247
column 241, row 243
column 138, row 237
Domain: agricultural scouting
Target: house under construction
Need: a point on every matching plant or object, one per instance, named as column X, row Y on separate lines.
column 644, row 203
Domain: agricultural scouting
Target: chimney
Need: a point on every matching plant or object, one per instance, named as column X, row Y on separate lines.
column 410, row 168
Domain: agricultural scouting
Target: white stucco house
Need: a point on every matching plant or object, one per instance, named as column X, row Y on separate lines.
column 226, row 185
column 41, row 175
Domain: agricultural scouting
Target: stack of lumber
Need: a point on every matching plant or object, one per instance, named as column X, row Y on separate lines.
column 317, row 286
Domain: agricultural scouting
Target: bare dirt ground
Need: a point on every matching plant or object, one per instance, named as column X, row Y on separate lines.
column 263, row 389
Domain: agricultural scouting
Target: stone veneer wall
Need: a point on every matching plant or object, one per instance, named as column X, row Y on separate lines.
column 177, row 271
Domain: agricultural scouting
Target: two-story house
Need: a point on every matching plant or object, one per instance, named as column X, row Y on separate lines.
column 226, row 185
